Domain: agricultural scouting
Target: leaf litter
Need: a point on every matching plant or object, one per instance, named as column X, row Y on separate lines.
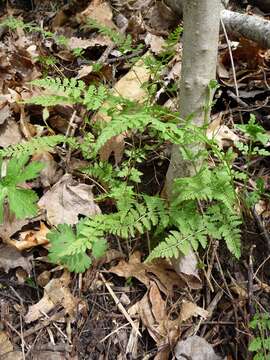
column 170, row 300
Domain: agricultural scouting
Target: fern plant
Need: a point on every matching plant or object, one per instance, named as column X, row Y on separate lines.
column 68, row 91
column 71, row 248
column 45, row 143
column 123, row 42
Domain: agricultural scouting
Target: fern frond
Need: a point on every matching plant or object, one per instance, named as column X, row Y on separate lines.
column 121, row 122
column 206, row 185
column 173, row 245
column 32, row 146
column 68, row 91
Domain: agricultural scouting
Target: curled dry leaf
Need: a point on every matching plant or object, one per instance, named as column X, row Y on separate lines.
column 56, row 293
column 195, row 348
column 223, row 135
column 151, row 309
column 66, row 200
column 189, row 309
column 31, row 238
column 11, row 258
column 158, row 271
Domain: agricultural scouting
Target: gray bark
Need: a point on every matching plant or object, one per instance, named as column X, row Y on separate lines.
column 200, row 45
column 251, row 27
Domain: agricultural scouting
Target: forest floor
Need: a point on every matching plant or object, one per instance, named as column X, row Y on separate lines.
column 121, row 307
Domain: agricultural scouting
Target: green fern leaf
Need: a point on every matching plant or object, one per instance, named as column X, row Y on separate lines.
column 32, row 146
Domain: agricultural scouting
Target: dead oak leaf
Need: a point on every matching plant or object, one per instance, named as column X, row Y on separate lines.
column 66, row 200
column 160, row 272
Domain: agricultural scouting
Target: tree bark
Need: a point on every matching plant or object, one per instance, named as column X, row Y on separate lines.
column 200, row 46
column 251, row 27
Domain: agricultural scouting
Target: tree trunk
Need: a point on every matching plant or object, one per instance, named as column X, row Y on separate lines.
column 200, row 45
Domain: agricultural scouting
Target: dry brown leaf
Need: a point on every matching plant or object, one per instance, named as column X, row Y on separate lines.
column 10, row 133
column 66, row 200
column 221, row 134
column 44, row 278
column 130, row 85
column 56, row 293
column 51, row 173
column 98, row 40
column 4, row 112
column 10, row 226
column 152, row 312
column 5, row 344
column 187, row 268
column 31, row 238
column 115, row 145
column 14, row 355
column 84, row 71
column 155, row 42
column 11, row 258
column 159, row 271
column 195, row 348
column 189, row 309
column 100, row 11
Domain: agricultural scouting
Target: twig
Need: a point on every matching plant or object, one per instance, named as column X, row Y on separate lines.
column 231, row 57
column 250, row 282
column 261, row 227
column 119, row 305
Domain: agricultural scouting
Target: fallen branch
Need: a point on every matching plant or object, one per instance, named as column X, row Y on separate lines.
column 251, row 27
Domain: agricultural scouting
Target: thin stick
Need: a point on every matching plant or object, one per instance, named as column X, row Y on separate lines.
column 231, row 57
column 119, row 305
